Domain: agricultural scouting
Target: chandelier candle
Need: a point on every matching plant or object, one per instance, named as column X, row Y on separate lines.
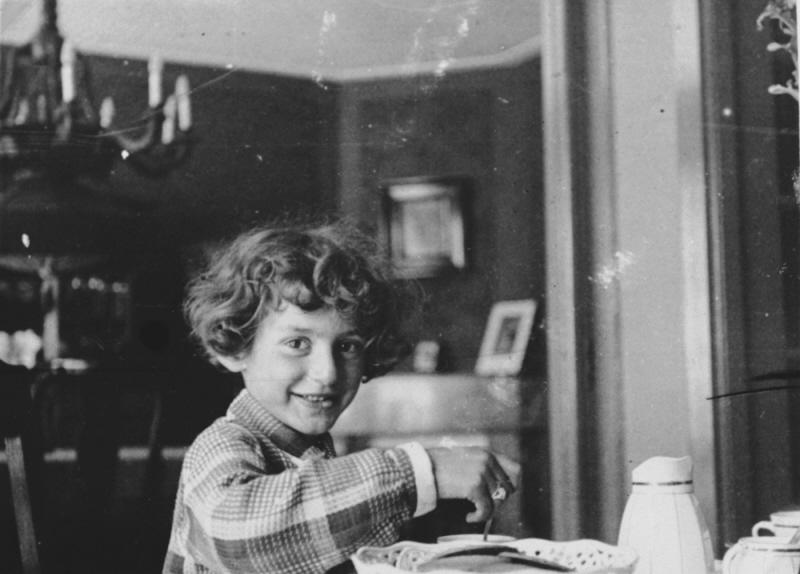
column 184, row 103
column 106, row 112
column 168, row 127
column 67, row 72
column 154, row 68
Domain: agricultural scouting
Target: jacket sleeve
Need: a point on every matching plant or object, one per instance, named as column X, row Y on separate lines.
column 247, row 514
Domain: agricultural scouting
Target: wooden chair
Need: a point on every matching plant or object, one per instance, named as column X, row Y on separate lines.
column 43, row 547
column 24, row 460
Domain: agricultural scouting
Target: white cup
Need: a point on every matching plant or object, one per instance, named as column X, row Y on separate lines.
column 782, row 524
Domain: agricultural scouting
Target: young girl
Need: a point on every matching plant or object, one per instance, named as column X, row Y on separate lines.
column 306, row 315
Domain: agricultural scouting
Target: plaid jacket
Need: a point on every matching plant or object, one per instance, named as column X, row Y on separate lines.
column 257, row 496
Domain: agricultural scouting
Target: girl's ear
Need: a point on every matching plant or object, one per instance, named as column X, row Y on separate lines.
column 233, row 364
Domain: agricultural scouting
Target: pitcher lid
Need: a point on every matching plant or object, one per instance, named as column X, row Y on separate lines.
column 664, row 470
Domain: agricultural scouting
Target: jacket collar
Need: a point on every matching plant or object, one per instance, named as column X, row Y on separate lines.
column 247, row 410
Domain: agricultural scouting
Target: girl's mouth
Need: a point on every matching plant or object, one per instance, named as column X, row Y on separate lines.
column 318, row 401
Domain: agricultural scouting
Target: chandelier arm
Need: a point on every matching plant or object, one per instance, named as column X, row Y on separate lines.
column 160, row 158
column 8, row 58
column 84, row 97
column 146, row 140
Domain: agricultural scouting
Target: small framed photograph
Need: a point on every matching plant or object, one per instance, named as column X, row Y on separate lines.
column 505, row 340
column 427, row 356
column 424, row 224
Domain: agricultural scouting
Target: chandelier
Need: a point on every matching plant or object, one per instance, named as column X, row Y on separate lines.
column 56, row 147
column 49, row 124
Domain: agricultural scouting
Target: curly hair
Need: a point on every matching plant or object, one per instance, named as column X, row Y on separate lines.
column 330, row 265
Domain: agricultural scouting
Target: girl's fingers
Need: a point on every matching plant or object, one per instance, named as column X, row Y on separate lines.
column 484, row 505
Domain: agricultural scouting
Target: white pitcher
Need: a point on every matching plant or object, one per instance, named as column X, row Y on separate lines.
column 762, row 555
column 663, row 521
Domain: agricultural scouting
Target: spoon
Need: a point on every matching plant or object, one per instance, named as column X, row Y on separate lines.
column 488, row 526
column 499, row 495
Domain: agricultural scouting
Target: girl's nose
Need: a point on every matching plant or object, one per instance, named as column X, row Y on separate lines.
column 322, row 368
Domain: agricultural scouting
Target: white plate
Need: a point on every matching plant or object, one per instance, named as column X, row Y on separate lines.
column 586, row 556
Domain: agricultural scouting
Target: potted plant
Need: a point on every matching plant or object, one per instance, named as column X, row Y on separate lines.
column 784, row 13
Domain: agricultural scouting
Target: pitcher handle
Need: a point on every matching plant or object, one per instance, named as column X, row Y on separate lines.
column 763, row 525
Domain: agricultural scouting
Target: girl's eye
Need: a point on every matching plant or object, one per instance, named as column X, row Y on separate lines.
column 298, row 344
column 351, row 347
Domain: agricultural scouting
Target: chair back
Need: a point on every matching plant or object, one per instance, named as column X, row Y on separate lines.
column 24, row 460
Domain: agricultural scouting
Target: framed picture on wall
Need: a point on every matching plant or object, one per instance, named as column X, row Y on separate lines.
column 505, row 340
column 424, row 224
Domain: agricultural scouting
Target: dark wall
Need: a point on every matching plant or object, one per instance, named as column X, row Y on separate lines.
column 258, row 147
column 485, row 125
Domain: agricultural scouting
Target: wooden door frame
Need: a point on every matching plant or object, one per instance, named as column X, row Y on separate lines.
column 728, row 339
column 590, row 450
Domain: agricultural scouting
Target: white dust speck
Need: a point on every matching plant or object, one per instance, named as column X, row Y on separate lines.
column 610, row 272
column 328, row 22
column 463, row 28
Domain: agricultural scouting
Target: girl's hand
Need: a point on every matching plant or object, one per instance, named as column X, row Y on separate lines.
column 475, row 474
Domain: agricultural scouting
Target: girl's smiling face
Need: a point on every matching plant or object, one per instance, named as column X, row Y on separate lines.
column 304, row 367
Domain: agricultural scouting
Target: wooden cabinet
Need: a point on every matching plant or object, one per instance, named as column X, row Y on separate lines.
column 412, row 403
